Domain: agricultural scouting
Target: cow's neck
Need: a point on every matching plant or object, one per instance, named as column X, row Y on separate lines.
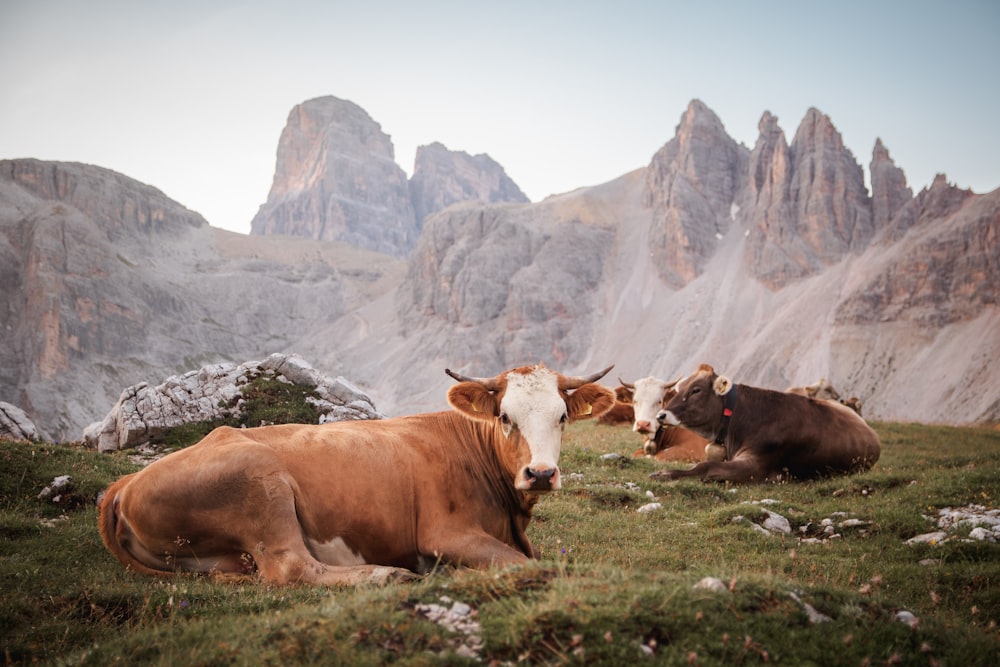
column 728, row 407
column 487, row 444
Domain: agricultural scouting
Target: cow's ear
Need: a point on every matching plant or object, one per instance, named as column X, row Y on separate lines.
column 473, row 400
column 589, row 402
column 722, row 385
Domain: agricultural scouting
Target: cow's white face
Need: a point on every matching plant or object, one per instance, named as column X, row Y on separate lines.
column 533, row 405
column 647, row 401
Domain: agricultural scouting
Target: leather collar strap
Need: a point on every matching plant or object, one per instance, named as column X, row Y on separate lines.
column 727, row 413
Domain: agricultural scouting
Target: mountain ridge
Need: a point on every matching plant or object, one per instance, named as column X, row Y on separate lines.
column 777, row 268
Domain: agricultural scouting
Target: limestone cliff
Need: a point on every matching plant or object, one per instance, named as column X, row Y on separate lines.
column 889, row 190
column 442, row 177
column 692, row 185
column 336, row 179
column 809, row 206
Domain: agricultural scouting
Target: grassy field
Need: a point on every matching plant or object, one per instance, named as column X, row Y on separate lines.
column 615, row 585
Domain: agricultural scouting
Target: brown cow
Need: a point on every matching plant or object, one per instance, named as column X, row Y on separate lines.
column 357, row 501
column 663, row 442
column 768, row 435
column 823, row 390
column 621, row 412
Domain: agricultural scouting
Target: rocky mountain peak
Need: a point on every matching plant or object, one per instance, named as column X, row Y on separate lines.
column 442, row 177
column 691, row 185
column 811, row 205
column 889, row 190
column 336, row 179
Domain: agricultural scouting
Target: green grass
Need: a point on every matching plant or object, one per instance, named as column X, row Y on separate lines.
column 614, row 585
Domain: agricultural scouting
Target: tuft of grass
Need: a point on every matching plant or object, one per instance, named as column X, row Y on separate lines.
column 614, row 585
column 264, row 400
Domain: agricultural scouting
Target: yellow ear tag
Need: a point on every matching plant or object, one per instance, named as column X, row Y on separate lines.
column 589, row 410
column 476, row 408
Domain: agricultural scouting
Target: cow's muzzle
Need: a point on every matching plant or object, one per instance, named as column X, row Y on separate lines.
column 667, row 418
column 541, row 478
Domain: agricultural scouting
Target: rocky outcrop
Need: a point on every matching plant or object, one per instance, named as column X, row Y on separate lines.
column 94, row 304
column 693, row 183
column 215, row 393
column 442, row 177
column 809, row 206
column 501, row 277
column 124, row 207
column 336, row 179
column 889, row 190
column 16, row 425
column 946, row 271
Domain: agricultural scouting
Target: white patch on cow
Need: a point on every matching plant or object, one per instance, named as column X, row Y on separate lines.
column 669, row 418
column 647, row 401
column 334, row 552
column 533, row 404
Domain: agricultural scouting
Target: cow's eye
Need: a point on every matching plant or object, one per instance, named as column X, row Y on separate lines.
column 504, row 419
column 563, row 419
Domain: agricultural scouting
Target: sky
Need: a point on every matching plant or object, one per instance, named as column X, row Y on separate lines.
column 191, row 96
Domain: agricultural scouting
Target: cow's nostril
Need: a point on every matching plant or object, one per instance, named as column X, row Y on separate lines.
column 541, row 475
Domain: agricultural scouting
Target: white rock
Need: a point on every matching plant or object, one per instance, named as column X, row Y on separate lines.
column 713, row 584
column 929, row 538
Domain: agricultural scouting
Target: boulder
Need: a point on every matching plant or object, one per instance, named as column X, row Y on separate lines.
column 16, row 425
column 215, row 392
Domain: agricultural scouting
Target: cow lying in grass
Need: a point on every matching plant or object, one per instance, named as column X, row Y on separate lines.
column 359, row 501
column 767, row 435
column 664, row 442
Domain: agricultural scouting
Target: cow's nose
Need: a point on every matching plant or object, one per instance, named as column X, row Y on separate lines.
column 642, row 426
column 541, row 479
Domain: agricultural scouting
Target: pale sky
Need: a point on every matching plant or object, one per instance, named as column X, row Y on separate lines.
column 190, row 96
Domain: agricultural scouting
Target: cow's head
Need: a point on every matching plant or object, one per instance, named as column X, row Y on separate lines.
column 699, row 402
column 533, row 405
column 649, row 397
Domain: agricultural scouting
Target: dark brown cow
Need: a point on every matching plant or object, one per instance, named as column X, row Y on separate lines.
column 358, row 501
column 663, row 442
column 621, row 412
column 768, row 435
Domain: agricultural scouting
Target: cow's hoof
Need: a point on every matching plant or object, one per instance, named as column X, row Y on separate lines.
column 381, row 576
column 663, row 476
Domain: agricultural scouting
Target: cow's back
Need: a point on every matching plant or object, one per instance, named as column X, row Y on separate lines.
column 805, row 436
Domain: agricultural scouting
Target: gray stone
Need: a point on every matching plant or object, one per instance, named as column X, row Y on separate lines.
column 144, row 412
column 16, row 425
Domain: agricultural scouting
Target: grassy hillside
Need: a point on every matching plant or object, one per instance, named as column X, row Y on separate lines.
column 615, row 584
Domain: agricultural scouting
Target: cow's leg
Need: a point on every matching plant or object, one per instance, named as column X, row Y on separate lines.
column 472, row 549
column 279, row 551
column 737, row 470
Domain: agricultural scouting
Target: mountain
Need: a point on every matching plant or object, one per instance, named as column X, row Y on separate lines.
column 775, row 264
column 336, row 179
column 107, row 283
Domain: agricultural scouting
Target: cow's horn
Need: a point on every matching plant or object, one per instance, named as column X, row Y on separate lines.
column 578, row 381
column 489, row 383
column 626, row 384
